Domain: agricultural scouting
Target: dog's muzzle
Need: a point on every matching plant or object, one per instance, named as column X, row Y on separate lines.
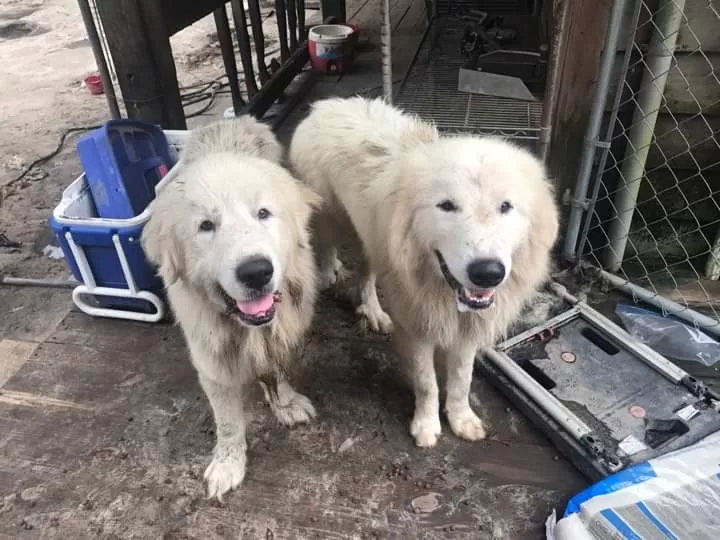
column 256, row 311
column 467, row 300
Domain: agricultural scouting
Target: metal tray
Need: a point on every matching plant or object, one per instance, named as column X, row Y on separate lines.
column 606, row 400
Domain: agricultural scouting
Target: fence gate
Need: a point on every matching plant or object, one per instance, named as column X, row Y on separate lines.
column 646, row 208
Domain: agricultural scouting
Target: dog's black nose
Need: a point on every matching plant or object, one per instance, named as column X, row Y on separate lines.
column 255, row 273
column 486, row 273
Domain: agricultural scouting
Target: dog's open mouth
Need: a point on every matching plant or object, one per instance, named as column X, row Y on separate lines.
column 255, row 312
column 467, row 299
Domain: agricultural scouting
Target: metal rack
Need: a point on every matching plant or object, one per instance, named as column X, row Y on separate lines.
column 600, row 371
column 430, row 85
column 429, row 90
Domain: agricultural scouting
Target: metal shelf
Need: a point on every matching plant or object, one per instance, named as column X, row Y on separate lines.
column 429, row 90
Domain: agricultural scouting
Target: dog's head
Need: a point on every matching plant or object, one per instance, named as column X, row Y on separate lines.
column 477, row 212
column 229, row 226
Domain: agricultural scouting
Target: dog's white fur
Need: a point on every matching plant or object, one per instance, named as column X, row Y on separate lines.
column 387, row 172
column 227, row 172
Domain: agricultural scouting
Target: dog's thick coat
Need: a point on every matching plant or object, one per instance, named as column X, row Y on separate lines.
column 425, row 209
column 231, row 202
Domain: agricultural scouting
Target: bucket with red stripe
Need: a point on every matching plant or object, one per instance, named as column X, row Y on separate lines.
column 330, row 47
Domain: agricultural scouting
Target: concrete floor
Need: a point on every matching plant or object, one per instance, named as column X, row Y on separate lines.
column 105, row 432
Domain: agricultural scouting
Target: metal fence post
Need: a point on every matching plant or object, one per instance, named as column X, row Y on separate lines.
column 650, row 97
column 578, row 201
column 654, row 213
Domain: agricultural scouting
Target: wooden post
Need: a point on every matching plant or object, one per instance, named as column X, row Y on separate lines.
column 238, row 11
column 140, row 47
column 292, row 24
column 258, row 39
column 222, row 24
column 281, row 16
column 578, row 64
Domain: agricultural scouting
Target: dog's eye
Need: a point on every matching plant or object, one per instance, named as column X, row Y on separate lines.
column 448, row 206
column 263, row 213
column 206, row 225
column 505, row 207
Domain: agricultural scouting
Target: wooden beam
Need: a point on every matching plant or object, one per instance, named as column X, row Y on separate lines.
column 222, row 25
column 182, row 13
column 238, row 12
column 579, row 62
column 140, row 47
column 273, row 89
column 258, row 39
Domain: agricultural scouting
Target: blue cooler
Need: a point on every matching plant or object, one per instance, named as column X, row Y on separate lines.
column 105, row 254
column 124, row 160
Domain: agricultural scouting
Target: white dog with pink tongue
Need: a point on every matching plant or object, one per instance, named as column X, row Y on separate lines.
column 229, row 234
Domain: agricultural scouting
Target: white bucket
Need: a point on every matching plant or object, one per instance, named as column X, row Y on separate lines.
column 329, row 40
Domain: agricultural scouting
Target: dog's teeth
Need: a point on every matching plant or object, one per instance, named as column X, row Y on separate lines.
column 462, row 306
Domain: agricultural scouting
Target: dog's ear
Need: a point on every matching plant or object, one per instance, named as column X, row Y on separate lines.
column 160, row 243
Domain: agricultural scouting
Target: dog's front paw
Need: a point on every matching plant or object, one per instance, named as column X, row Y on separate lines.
column 375, row 319
column 425, row 430
column 466, row 425
column 225, row 473
column 298, row 410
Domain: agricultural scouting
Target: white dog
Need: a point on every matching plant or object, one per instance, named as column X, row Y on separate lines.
column 458, row 231
column 229, row 234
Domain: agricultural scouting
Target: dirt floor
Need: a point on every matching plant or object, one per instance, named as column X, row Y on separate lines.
column 104, row 431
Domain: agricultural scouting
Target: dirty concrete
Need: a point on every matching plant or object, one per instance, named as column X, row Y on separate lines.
column 107, row 433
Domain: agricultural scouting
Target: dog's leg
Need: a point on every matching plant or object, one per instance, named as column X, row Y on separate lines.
column 290, row 407
column 419, row 359
column 330, row 268
column 227, row 468
column 463, row 421
column 371, row 312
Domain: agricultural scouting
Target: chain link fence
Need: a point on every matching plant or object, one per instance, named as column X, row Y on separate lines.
column 651, row 210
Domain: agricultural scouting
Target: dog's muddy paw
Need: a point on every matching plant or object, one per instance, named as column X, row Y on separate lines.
column 223, row 475
column 375, row 319
column 299, row 410
column 467, row 425
column 425, row 431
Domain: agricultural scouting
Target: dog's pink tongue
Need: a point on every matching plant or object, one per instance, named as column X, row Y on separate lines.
column 257, row 306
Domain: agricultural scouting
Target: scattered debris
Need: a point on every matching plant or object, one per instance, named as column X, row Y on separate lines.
column 32, row 494
column 53, row 252
column 14, row 163
column 426, row 503
column 346, row 445
column 5, row 242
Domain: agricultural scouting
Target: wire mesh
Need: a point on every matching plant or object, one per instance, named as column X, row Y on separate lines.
column 654, row 217
column 430, row 90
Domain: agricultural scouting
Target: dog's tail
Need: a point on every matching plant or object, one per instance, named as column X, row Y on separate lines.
column 244, row 135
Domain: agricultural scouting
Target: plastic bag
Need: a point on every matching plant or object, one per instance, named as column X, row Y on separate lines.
column 673, row 496
column 669, row 336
